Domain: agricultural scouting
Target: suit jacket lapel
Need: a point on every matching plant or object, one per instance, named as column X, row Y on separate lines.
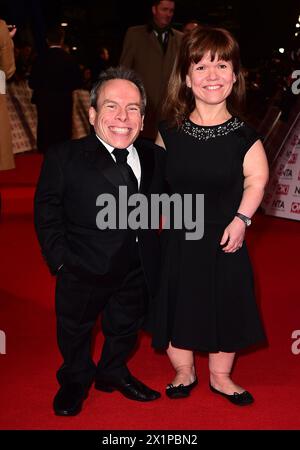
column 147, row 166
column 101, row 159
column 155, row 43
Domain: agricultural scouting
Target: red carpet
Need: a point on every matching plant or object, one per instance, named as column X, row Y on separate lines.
column 27, row 370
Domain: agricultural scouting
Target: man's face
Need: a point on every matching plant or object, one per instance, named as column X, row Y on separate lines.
column 163, row 13
column 118, row 119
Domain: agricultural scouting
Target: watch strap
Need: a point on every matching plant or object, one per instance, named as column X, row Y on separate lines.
column 244, row 218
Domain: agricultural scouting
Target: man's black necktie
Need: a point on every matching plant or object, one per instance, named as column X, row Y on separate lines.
column 127, row 172
column 162, row 39
column 162, row 35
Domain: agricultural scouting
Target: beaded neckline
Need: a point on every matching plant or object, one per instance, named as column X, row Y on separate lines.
column 209, row 132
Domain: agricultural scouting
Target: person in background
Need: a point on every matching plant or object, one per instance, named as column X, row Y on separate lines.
column 206, row 300
column 190, row 25
column 55, row 75
column 151, row 50
column 101, row 63
column 87, row 82
column 24, row 60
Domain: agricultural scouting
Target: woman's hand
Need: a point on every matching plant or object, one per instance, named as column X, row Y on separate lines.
column 234, row 233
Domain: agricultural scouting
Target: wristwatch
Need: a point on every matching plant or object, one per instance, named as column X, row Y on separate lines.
column 245, row 219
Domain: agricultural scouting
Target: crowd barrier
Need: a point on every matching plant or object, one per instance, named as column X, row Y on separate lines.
column 282, row 197
column 81, row 104
column 23, row 118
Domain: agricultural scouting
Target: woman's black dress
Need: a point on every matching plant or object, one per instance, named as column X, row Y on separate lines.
column 206, row 300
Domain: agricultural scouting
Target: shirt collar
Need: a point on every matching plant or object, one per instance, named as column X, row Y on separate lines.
column 151, row 26
column 130, row 148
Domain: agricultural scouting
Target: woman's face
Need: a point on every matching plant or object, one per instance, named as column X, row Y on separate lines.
column 211, row 81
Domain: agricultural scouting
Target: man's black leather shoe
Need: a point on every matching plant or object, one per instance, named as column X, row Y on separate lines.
column 129, row 386
column 181, row 391
column 242, row 399
column 68, row 400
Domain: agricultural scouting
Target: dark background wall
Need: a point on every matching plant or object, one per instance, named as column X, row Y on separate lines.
column 260, row 26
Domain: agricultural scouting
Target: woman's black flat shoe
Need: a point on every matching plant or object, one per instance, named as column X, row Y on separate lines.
column 180, row 391
column 242, row 399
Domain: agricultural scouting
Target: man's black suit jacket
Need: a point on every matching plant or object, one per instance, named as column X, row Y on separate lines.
column 73, row 175
column 54, row 73
column 54, row 76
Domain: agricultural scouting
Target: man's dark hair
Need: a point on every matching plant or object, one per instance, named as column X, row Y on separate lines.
column 118, row 73
column 55, row 35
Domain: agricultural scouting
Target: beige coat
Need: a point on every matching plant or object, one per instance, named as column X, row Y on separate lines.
column 143, row 53
column 7, row 69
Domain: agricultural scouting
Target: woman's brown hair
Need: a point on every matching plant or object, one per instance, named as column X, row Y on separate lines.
column 180, row 101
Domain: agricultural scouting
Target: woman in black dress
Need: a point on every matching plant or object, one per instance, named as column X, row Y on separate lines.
column 206, row 301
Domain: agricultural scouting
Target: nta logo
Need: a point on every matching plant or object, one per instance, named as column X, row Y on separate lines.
column 278, row 204
column 283, row 189
column 295, row 208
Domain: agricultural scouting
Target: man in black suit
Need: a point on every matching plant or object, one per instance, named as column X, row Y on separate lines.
column 111, row 271
column 54, row 77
